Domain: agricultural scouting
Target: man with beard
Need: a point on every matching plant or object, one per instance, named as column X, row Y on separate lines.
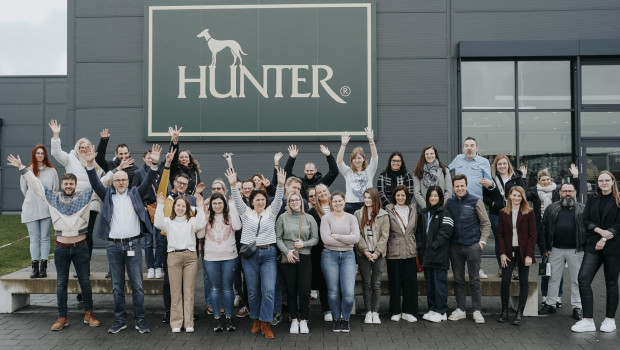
column 121, row 154
column 312, row 176
column 564, row 239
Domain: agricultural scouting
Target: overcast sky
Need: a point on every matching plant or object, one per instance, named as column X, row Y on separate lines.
column 33, row 37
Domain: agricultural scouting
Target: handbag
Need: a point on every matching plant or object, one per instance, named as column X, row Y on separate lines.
column 247, row 250
column 284, row 257
column 544, row 268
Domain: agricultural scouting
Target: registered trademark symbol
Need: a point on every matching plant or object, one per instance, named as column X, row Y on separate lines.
column 345, row 91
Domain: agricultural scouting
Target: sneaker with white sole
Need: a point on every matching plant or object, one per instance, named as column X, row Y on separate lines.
column 294, row 327
column 158, row 273
column 395, row 318
column 375, row 318
column 583, row 326
column 368, row 318
column 328, row 317
column 314, row 294
column 437, row 317
column 427, row 315
column 176, row 330
column 482, row 274
column 457, row 314
column 408, row 317
column 608, row 325
column 150, row 273
column 189, row 330
column 303, row 327
column 478, row 317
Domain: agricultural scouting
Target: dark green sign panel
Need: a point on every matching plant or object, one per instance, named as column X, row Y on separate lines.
column 259, row 71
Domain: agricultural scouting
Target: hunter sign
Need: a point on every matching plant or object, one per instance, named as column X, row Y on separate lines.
column 261, row 71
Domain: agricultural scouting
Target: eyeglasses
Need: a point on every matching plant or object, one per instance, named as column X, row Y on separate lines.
column 121, row 180
column 182, row 183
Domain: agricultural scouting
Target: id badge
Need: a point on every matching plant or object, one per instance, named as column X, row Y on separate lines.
column 131, row 252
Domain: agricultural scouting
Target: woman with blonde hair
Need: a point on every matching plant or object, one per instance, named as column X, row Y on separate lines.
column 516, row 237
column 322, row 207
column 601, row 218
column 358, row 177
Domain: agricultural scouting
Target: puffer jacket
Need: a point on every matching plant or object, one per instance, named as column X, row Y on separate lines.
column 402, row 245
column 434, row 245
column 380, row 227
column 494, row 199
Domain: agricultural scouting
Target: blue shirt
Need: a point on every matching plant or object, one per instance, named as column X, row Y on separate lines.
column 475, row 170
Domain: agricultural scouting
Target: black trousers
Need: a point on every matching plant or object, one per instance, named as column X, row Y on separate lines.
column 403, row 277
column 590, row 264
column 89, row 233
column 507, row 276
column 166, row 287
column 298, row 282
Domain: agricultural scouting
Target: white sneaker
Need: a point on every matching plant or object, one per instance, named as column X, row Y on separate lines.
column 150, row 273
column 608, row 325
column 368, row 318
column 437, row 317
column 408, row 317
column 375, row 318
column 478, row 317
column 328, row 317
column 584, row 326
column 395, row 318
column 295, row 327
column 427, row 315
column 189, row 330
column 457, row 314
column 314, row 294
column 303, row 327
column 158, row 273
column 176, row 330
column 482, row 274
column 237, row 301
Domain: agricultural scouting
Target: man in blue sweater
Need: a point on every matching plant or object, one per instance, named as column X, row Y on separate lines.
column 471, row 231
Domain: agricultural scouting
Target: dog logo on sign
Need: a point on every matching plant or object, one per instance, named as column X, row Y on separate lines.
column 218, row 45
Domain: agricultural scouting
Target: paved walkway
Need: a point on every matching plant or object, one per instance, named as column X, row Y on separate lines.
column 29, row 328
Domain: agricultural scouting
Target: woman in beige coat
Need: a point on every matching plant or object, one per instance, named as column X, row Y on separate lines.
column 370, row 251
column 401, row 256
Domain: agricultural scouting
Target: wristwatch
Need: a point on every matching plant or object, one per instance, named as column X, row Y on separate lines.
column 604, row 239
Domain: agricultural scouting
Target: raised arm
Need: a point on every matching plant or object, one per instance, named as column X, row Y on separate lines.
column 332, row 173
column 231, row 175
column 101, row 149
column 344, row 141
column 145, row 186
column 160, row 220
column 57, row 152
column 93, row 178
column 290, row 163
column 28, row 176
column 276, row 204
column 370, row 135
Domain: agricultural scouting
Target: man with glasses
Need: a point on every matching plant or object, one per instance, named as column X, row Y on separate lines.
column 563, row 241
column 123, row 219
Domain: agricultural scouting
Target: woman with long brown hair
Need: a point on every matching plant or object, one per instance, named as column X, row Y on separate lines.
column 374, row 226
column 516, row 237
column 430, row 171
column 322, row 207
column 35, row 212
column 601, row 218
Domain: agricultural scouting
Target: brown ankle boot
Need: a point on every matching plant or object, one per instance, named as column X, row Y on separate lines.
column 90, row 320
column 256, row 326
column 265, row 328
column 61, row 322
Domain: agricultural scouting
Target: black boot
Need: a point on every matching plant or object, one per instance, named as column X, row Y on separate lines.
column 43, row 269
column 35, row 269
column 519, row 318
column 503, row 317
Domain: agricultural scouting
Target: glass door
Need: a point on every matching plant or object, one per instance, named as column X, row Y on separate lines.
column 597, row 156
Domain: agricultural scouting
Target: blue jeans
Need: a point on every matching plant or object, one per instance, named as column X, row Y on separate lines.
column 260, row 276
column 351, row 208
column 153, row 261
column 39, row 232
column 222, row 274
column 280, row 289
column 207, row 287
column 119, row 261
column 63, row 256
column 339, row 271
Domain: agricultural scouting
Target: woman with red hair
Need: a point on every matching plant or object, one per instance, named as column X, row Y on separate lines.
column 35, row 212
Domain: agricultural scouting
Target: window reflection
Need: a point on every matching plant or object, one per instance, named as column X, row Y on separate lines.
column 494, row 131
column 486, row 85
column 544, row 84
column 600, row 124
column 600, row 84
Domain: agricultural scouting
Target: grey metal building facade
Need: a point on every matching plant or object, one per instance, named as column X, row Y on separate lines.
column 421, row 48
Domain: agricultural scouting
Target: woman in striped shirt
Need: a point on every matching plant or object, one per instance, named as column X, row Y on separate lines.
column 260, row 268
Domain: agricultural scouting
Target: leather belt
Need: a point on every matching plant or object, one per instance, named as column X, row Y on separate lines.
column 123, row 240
column 180, row 250
column 69, row 245
column 264, row 246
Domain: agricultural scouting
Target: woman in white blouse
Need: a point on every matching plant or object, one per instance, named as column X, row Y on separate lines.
column 180, row 230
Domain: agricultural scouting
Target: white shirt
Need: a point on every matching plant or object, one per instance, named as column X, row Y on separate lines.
column 403, row 211
column 125, row 222
column 515, row 236
column 181, row 233
column 357, row 183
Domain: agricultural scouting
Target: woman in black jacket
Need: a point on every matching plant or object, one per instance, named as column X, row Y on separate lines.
column 183, row 162
column 601, row 218
column 433, row 236
column 505, row 178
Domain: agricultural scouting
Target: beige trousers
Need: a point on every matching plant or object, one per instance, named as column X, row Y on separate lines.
column 182, row 275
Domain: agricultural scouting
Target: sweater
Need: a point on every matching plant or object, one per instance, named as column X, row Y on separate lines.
column 357, row 183
column 181, row 233
column 34, row 208
column 388, row 180
column 287, row 232
column 444, row 181
column 251, row 219
column 339, row 236
column 220, row 241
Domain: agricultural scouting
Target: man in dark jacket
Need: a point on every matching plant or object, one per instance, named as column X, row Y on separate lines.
column 312, row 176
column 123, row 219
column 121, row 153
column 471, row 231
column 564, row 237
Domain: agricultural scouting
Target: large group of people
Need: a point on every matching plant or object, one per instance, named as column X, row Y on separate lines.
column 292, row 237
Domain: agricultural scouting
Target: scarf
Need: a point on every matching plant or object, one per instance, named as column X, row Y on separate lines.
column 430, row 173
column 545, row 194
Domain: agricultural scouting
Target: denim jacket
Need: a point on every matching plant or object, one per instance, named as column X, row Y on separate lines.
column 475, row 170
